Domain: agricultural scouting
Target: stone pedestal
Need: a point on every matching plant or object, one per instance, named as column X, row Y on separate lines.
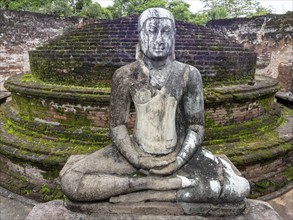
column 159, row 208
column 254, row 210
column 3, row 97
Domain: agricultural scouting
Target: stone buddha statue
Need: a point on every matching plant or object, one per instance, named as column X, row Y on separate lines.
column 162, row 160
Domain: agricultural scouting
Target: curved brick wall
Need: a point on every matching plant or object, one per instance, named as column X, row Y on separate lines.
column 45, row 123
column 270, row 37
column 22, row 31
column 89, row 55
column 77, row 107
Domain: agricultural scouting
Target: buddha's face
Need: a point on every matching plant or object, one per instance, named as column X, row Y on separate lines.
column 157, row 38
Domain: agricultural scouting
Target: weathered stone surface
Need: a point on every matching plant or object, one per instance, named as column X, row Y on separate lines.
column 107, row 45
column 23, row 31
column 285, row 98
column 13, row 206
column 3, row 97
column 285, row 76
column 164, row 154
column 259, row 210
column 148, row 208
column 160, row 208
column 208, row 209
column 270, row 36
column 244, row 111
column 255, row 210
column 283, row 204
column 53, row 210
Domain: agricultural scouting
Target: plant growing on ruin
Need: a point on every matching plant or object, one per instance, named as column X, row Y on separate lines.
column 236, row 8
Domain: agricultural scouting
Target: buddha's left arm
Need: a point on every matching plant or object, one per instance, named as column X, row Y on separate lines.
column 194, row 114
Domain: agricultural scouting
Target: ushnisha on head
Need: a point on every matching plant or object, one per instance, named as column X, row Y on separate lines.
column 156, row 28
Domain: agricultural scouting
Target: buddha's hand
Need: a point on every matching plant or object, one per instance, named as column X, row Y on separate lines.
column 148, row 161
column 167, row 170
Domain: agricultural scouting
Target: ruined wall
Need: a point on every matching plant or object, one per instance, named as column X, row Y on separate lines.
column 24, row 31
column 89, row 56
column 270, row 37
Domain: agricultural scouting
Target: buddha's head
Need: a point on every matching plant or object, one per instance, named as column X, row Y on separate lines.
column 156, row 28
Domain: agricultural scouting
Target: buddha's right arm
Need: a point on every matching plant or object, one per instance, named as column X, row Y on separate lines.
column 194, row 116
column 119, row 113
column 125, row 145
column 129, row 149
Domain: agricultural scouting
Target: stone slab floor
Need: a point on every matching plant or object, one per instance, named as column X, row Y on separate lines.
column 15, row 207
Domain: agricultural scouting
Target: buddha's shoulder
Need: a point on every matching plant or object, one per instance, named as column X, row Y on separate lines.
column 128, row 69
column 192, row 70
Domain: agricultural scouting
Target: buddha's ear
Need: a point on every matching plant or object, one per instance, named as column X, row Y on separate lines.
column 173, row 57
column 138, row 53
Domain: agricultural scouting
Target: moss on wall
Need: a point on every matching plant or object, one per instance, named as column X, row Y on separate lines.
column 253, row 142
column 90, row 55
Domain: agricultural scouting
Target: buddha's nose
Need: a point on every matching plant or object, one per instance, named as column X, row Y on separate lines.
column 159, row 39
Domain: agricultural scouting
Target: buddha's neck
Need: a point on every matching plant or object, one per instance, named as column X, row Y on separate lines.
column 157, row 64
column 159, row 71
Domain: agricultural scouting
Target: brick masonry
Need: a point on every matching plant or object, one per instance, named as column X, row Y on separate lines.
column 220, row 115
column 24, row 31
column 270, row 36
column 94, row 112
column 285, row 76
column 90, row 54
column 235, row 112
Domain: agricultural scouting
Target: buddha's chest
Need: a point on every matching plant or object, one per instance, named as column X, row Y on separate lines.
column 155, row 128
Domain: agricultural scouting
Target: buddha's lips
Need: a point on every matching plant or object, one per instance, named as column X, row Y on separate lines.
column 159, row 49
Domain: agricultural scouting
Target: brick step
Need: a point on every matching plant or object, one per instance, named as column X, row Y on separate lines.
column 105, row 42
column 88, row 43
column 133, row 26
column 86, row 29
column 180, row 41
column 60, row 52
column 118, row 46
column 131, row 47
column 135, row 39
column 100, row 33
column 205, row 69
column 183, row 42
column 98, row 48
column 93, row 41
column 101, row 42
column 39, row 150
column 131, row 38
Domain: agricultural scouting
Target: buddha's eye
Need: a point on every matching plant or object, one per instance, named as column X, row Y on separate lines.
column 153, row 30
column 166, row 30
